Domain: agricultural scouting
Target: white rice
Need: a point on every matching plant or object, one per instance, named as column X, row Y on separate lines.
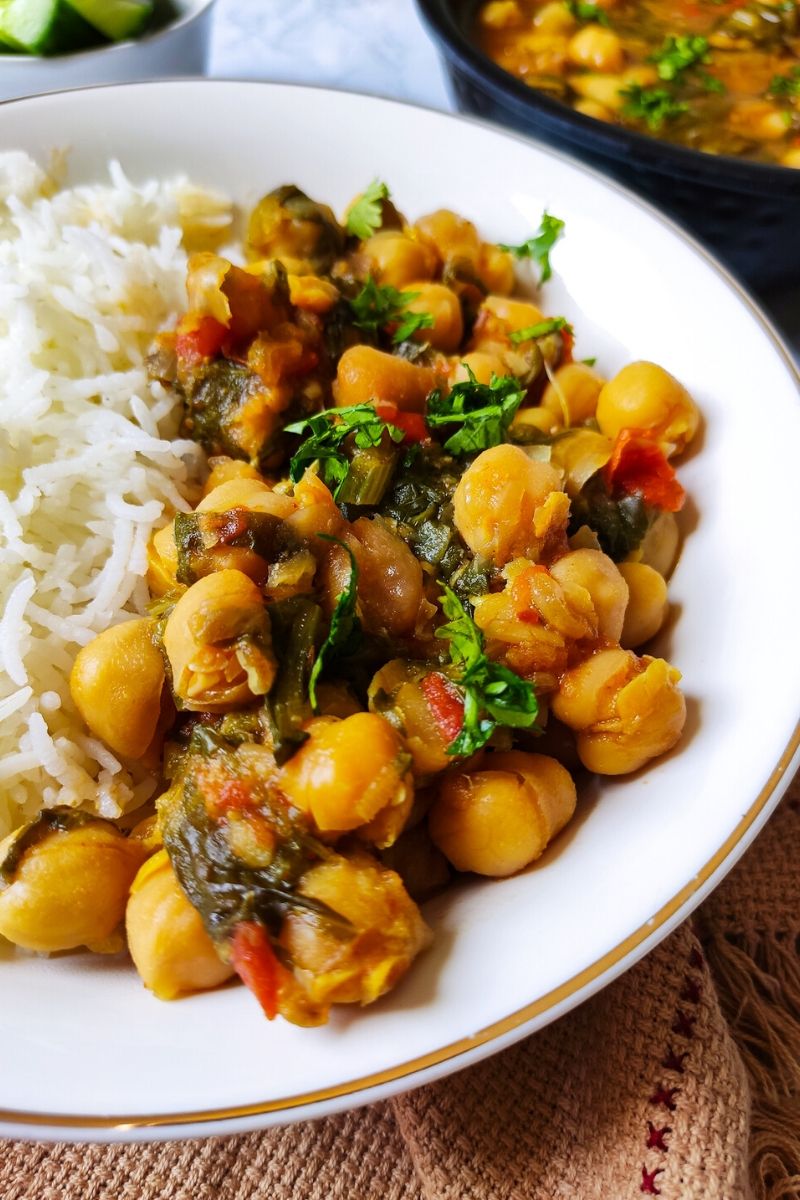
column 89, row 462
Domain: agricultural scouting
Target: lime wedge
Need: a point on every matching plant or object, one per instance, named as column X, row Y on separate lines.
column 115, row 19
column 43, row 27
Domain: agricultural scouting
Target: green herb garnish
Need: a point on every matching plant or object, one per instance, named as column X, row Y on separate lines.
column 539, row 246
column 678, row 54
column 484, row 412
column 375, row 308
column 654, row 106
column 493, row 695
column 589, row 361
column 366, row 214
column 582, row 11
column 344, row 625
column 541, row 329
column 325, row 435
column 785, row 87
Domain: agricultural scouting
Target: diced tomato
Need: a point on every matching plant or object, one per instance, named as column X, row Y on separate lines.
column 200, row 339
column 445, row 704
column 234, row 794
column 638, row 466
column 256, row 965
column 412, row 424
column 521, row 596
column 567, row 345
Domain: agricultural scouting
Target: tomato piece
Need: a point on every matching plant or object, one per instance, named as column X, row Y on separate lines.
column 234, row 794
column 256, row 965
column 412, row 424
column 199, row 338
column 445, row 704
column 567, row 346
column 639, row 466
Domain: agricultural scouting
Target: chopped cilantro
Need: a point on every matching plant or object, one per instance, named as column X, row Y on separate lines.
column 325, row 434
column 376, row 308
column 785, row 86
column 484, row 412
column 344, row 625
column 711, row 83
column 365, row 216
column 542, row 329
column 654, row 106
column 589, row 361
column 678, row 54
column 583, row 11
column 493, row 695
column 539, row 246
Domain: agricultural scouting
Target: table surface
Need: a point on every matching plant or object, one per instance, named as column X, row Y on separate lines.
column 375, row 46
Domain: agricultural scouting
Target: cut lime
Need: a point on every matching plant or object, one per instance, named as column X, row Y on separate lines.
column 116, row 19
column 43, row 27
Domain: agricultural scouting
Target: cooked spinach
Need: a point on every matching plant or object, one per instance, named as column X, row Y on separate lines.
column 620, row 523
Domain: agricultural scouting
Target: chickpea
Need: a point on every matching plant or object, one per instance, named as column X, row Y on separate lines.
column 647, row 605
column 554, row 17
column 591, row 108
column 224, row 469
column 601, row 89
column 517, row 314
column 365, row 374
column 390, row 578
column 312, row 294
column 449, row 236
column 169, row 946
column 596, row 49
column 69, row 888
column 576, row 388
column 395, row 260
column 396, row 691
column 482, row 365
column 659, row 546
column 347, row 773
column 217, row 639
column 388, row 931
column 496, row 269
column 497, row 820
column 602, row 579
column 758, row 119
column 625, row 710
column 791, row 158
column 645, row 396
column 443, row 305
column 116, row 683
column 501, row 14
column 507, row 505
column 252, row 494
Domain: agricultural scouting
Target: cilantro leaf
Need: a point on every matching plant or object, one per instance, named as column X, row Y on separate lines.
column 654, row 106
column 365, row 216
column 375, row 308
column 539, row 246
column 785, row 86
column 678, row 54
column 590, row 362
column 325, row 435
column 484, row 412
column 541, row 329
column 344, row 626
column 493, row 695
column 582, row 11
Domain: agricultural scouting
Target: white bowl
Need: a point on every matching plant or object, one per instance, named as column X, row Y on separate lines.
column 178, row 48
column 86, row 1051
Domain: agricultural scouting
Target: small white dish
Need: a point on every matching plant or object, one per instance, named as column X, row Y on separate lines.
column 87, row 1053
column 177, row 47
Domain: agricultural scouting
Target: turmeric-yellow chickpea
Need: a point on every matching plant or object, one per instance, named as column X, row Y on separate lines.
column 482, row 365
column 603, row 580
column 645, row 396
column 517, row 314
column 791, row 158
column 574, row 387
column 592, row 108
column 498, row 819
column 390, row 578
column 69, row 887
column 449, row 236
column 625, row 710
column 501, row 14
column 444, row 307
column 596, row 48
column 554, row 17
column 222, row 469
column 602, row 89
column 116, row 682
column 252, row 494
column 758, row 119
column 394, row 259
column 169, row 946
column 366, row 374
column 217, row 640
column 506, row 504
column 347, row 772
column 647, row 604
column 496, row 269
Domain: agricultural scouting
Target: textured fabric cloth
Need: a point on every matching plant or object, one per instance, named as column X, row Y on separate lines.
column 643, row 1090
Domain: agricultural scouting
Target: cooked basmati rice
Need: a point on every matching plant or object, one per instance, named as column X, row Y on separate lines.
column 89, row 461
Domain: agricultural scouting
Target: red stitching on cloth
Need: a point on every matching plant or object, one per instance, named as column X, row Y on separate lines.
column 664, row 1096
column 648, row 1184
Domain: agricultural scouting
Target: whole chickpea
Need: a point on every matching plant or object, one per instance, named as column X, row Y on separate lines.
column 576, row 386
column 498, row 819
column 365, row 374
column 69, row 888
column 597, row 48
column 394, row 259
column 443, row 305
column 645, row 396
column 605, row 583
column 482, row 365
column 647, row 605
column 506, row 504
column 449, row 236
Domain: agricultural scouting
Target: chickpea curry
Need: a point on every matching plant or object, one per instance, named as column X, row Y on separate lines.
column 720, row 76
column 409, row 609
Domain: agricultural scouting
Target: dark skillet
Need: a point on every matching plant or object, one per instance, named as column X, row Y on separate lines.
column 748, row 212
